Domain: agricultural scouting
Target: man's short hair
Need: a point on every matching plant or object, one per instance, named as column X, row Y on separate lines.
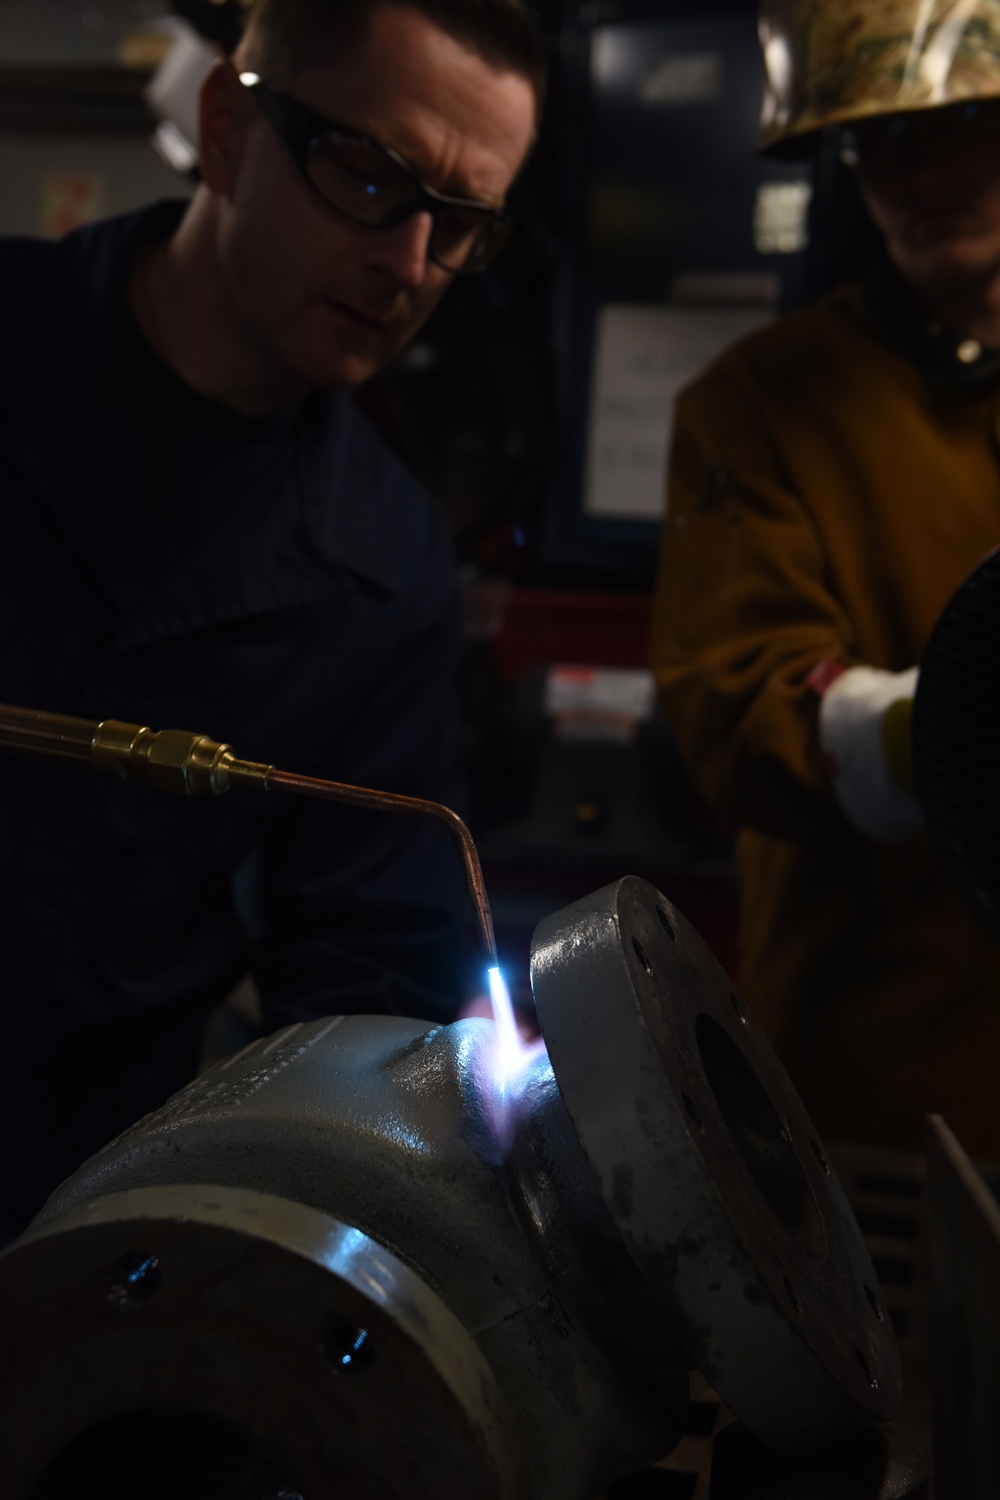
column 284, row 36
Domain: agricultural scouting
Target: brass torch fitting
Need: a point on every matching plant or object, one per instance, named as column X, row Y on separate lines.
column 172, row 760
column 191, row 765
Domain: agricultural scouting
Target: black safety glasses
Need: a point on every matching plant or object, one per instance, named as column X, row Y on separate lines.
column 373, row 186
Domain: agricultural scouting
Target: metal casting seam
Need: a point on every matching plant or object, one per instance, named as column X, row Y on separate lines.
column 549, row 1290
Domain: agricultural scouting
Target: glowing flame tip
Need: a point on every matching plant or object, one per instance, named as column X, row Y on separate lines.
column 513, row 1054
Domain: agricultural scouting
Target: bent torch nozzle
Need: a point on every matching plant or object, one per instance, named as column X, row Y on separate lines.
column 173, row 760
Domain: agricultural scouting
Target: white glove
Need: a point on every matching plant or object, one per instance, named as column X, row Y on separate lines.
column 852, row 732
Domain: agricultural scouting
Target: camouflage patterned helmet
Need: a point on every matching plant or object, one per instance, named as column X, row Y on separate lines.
column 829, row 62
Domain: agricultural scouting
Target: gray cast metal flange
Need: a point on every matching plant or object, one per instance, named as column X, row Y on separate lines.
column 711, row 1169
column 265, row 1317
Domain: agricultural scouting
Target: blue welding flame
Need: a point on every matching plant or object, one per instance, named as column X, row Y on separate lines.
column 513, row 1054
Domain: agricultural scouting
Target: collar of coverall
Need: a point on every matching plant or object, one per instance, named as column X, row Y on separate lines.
column 55, row 407
column 943, row 357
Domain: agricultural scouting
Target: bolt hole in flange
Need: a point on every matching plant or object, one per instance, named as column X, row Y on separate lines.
column 135, row 1279
column 876, row 1305
column 641, row 955
column 666, row 923
column 869, row 1372
column 760, row 1135
column 347, row 1347
column 820, row 1157
column 163, row 1455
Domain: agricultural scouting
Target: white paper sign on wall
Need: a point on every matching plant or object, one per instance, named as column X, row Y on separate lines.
column 645, row 356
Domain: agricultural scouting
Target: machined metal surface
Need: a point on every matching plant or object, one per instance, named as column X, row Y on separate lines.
column 712, row 1170
column 284, row 1334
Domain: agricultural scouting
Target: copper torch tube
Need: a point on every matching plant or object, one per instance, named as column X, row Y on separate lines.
column 359, row 796
column 191, row 764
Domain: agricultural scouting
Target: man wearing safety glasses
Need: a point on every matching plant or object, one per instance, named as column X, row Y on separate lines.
column 202, row 532
column 834, row 479
column 340, row 198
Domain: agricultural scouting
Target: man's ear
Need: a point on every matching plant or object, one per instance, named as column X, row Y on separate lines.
column 223, row 120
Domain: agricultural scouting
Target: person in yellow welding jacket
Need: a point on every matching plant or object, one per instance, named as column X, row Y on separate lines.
column 833, row 480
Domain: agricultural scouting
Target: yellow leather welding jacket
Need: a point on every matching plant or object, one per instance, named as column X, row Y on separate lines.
column 830, row 62
column 824, row 503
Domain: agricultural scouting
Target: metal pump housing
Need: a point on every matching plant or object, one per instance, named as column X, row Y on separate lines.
column 361, row 1258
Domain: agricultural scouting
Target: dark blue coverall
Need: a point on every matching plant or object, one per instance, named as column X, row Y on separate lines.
column 282, row 585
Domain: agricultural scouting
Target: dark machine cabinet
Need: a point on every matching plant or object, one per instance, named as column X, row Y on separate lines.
column 667, row 204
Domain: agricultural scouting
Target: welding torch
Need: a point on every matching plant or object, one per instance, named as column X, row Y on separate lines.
column 173, row 760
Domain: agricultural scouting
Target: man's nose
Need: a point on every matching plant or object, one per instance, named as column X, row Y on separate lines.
column 401, row 252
